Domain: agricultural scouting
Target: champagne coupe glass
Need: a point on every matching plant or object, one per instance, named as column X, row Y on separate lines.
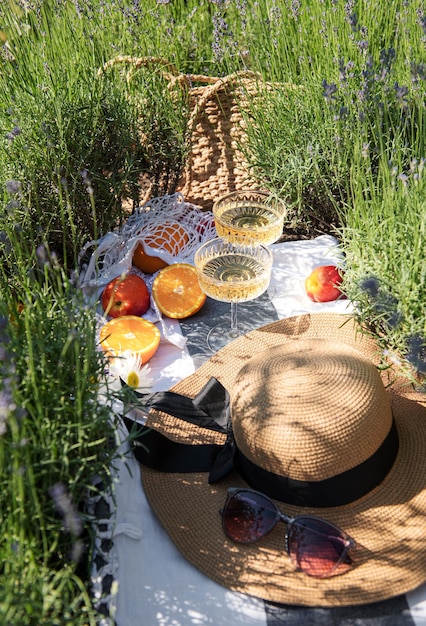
column 231, row 272
column 250, row 217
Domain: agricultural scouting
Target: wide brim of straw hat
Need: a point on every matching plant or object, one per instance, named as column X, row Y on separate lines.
column 388, row 524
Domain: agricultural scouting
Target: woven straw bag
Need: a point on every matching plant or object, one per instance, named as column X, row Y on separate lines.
column 216, row 164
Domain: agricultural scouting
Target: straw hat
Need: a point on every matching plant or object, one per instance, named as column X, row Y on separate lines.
column 308, row 407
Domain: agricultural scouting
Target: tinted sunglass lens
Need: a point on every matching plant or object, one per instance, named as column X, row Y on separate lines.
column 248, row 516
column 318, row 548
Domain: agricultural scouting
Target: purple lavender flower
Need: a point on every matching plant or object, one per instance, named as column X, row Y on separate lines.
column 330, row 90
column 7, row 376
column 386, row 305
column 418, row 72
column 41, row 254
column 383, row 302
column 295, row 9
column 65, row 507
column 13, row 187
column 401, row 92
column 353, row 21
column 5, row 244
column 403, row 178
column 370, row 285
column 86, row 180
column 365, row 150
column 349, row 7
column 13, row 133
column 416, row 353
column 387, row 57
column 422, row 21
column 220, row 33
column 362, row 45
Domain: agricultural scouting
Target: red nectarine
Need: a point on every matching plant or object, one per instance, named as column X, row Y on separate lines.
column 322, row 284
column 126, row 295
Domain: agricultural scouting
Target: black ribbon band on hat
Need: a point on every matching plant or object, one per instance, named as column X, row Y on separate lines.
column 210, row 409
column 154, row 450
column 335, row 491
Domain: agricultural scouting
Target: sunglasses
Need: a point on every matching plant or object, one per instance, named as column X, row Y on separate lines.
column 315, row 546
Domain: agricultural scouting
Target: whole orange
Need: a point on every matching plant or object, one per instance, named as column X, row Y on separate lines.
column 125, row 295
column 169, row 236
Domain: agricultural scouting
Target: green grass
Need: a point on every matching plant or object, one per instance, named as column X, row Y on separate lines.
column 81, row 134
column 340, row 136
column 347, row 144
column 56, row 436
column 385, row 259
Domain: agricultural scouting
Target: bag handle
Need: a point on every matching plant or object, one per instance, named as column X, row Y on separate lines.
column 185, row 81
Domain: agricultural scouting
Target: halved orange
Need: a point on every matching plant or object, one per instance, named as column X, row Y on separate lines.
column 177, row 292
column 130, row 332
column 169, row 236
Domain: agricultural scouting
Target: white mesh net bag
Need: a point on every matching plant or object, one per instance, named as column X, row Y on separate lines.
column 178, row 228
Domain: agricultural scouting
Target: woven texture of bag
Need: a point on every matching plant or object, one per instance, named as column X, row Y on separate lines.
column 216, row 164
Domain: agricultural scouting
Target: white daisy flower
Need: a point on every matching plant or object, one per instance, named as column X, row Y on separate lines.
column 128, row 366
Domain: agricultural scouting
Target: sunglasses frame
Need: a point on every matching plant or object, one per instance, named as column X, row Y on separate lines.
column 349, row 543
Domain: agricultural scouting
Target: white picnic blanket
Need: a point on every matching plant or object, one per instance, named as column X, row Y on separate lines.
column 153, row 584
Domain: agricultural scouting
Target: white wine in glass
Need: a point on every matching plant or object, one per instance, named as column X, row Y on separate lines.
column 250, row 217
column 231, row 273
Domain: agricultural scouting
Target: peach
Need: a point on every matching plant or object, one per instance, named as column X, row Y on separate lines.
column 125, row 295
column 322, row 284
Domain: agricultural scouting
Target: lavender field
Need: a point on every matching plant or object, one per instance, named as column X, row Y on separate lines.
column 339, row 133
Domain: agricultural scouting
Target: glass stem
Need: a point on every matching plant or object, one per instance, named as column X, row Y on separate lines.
column 234, row 321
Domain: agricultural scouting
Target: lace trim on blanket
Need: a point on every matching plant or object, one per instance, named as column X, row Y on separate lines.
column 104, row 570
